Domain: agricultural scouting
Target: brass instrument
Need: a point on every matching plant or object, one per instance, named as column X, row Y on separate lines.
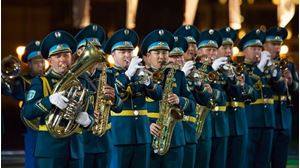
column 239, row 68
column 61, row 123
column 201, row 113
column 102, row 107
column 168, row 116
column 156, row 77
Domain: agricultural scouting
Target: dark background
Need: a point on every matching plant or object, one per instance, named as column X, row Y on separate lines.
column 27, row 20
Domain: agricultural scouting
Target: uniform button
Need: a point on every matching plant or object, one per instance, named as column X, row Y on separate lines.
column 135, row 118
column 235, row 109
column 265, row 106
column 265, row 96
column 136, row 112
column 135, row 106
column 234, row 98
column 217, row 114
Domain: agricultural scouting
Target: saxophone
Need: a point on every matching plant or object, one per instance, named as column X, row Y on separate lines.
column 102, row 107
column 61, row 123
column 168, row 116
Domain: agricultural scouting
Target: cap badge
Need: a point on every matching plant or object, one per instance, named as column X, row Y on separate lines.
column 161, row 32
column 126, row 32
column 57, row 34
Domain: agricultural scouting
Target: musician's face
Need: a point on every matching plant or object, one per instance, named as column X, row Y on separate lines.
column 122, row 57
column 190, row 53
column 156, row 58
column 273, row 48
column 37, row 66
column 211, row 53
column 225, row 50
column 177, row 60
column 252, row 53
column 61, row 62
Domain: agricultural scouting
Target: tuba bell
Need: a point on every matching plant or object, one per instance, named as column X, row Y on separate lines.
column 61, row 123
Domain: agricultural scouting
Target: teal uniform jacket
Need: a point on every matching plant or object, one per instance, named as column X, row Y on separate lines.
column 186, row 104
column 93, row 143
column 131, row 126
column 283, row 113
column 261, row 112
column 38, row 105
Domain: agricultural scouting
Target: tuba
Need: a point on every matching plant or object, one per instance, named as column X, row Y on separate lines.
column 61, row 123
column 102, row 107
column 168, row 116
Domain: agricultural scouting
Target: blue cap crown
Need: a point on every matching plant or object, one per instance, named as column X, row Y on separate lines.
column 32, row 50
column 157, row 39
column 93, row 33
column 228, row 35
column 254, row 38
column 180, row 46
column 276, row 34
column 121, row 39
column 210, row 38
column 189, row 32
column 58, row 42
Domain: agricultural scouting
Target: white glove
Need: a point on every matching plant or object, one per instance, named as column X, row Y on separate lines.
column 264, row 59
column 59, row 100
column 145, row 81
column 218, row 62
column 187, row 67
column 133, row 66
column 83, row 119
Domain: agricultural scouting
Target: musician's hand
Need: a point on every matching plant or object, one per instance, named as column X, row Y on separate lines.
column 155, row 129
column 218, row 62
column 264, row 60
column 59, row 100
column 287, row 75
column 133, row 66
column 173, row 99
column 241, row 79
column 83, row 119
column 208, row 87
column 109, row 92
column 187, row 67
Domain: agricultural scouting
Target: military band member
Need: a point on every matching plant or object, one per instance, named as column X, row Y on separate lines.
column 18, row 88
column 176, row 56
column 260, row 114
column 130, row 128
column 191, row 34
column 283, row 115
column 203, row 147
column 97, row 149
column 57, row 47
column 225, row 82
column 238, row 128
column 156, row 46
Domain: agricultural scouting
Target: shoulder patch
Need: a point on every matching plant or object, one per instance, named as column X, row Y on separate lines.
column 30, row 95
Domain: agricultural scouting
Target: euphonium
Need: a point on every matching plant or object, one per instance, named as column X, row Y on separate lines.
column 168, row 116
column 102, row 107
column 61, row 123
